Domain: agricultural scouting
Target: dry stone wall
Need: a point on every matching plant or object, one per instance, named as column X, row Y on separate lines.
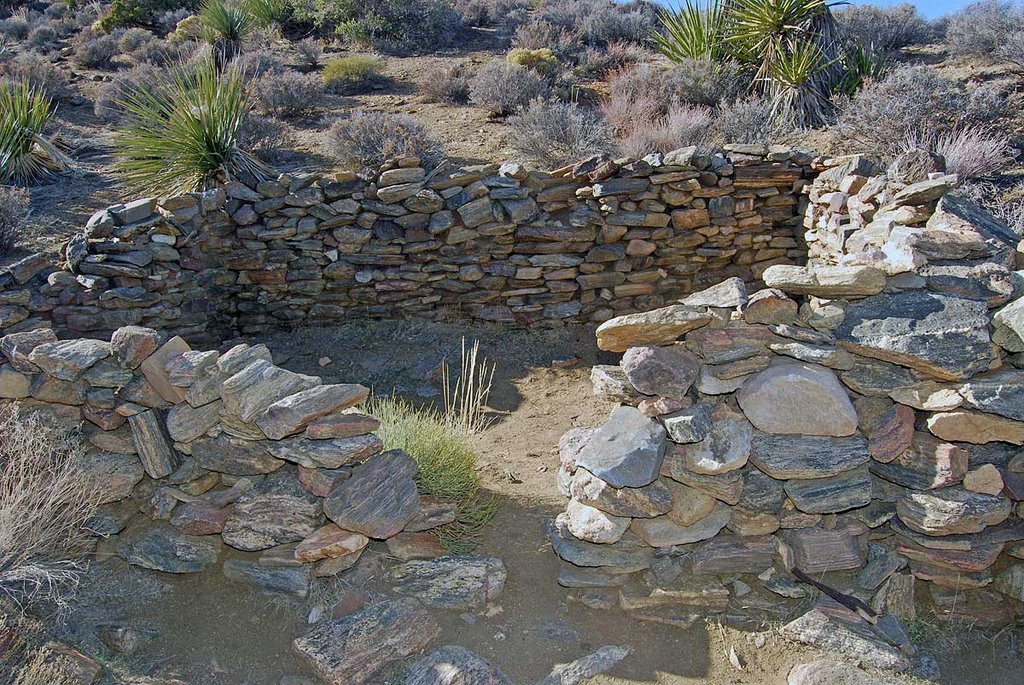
column 495, row 242
column 860, row 419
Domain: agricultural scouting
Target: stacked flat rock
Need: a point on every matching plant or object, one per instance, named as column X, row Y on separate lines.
column 194, row 450
column 874, row 394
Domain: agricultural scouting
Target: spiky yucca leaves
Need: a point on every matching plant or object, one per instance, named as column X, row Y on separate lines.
column 267, row 12
column 693, row 32
column 26, row 153
column 860, row 64
column 225, row 25
column 183, row 135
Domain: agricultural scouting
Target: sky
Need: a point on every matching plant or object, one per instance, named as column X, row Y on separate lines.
column 929, row 8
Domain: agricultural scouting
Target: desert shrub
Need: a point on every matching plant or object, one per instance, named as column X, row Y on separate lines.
column 910, row 100
column 492, row 13
column 885, row 28
column 45, row 499
column 1006, row 203
column 267, row 12
column 395, row 26
column 253, row 63
column 538, row 35
column 130, row 40
column 13, row 210
column 601, row 22
column 542, row 60
column 707, row 82
column 502, row 88
column 264, row 137
column 446, row 84
column 16, row 26
column 27, row 153
column 160, row 53
column 368, row 139
column 1012, row 49
column 125, row 13
column 108, row 105
column 599, row 62
column 288, row 93
column 555, row 133
column 183, row 135
column 95, row 50
column 680, row 126
column 33, row 68
column 43, row 37
column 310, row 52
column 353, row 74
column 981, row 28
column 752, row 121
column 970, row 152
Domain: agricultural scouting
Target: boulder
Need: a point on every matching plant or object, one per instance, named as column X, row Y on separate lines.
column 186, row 423
column 728, row 294
column 663, row 371
column 960, row 229
column 451, row 582
column 769, row 306
column 452, row 665
column 610, row 382
column 379, row 499
column 943, row 336
column 835, row 628
column 263, row 520
column 658, row 327
column 985, row 479
column 17, row 347
column 626, row 451
column 689, row 505
column 825, row 281
column 354, row 649
column 798, row 399
column 293, row 413
column 951, row 511
column 594, row 525
column 67, row 360
column 160, row 548
column 725, row 448
column 114, row 475
column 252, row 390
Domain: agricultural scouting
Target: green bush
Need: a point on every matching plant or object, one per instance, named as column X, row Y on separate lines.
column 542, row 60
column 125, row 13
column 394, row 26
column 27, row 154
column 353, row 74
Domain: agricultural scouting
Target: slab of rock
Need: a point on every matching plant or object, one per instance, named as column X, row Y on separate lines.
column 689, row 505
column 999, row 393
column 610, row 382
column 290, row 580
column 67, row 360
column 452, row 582
column 979, row 608
column 985, row 479
column 594, row 525
column 976, row 428
column 896, row 598
column 574, row 576
column 658, row 327
column 833, row 627
column 825, row 281
column 380, row 498
column 408, row 546
column 346, row 424
column 691, row 424
column 951, row 511
column 589, row 666
column 882, row 563
column 1008, row 323
column 114, row 475
column 662, row 531
column 452, row 665
column 730, row 293
column 928, row 396
column 874, row 378
column 726, row 487
column 785, row 457
column 1011, row 582
column 725, row 448
column 798, row 399
column 17, row 347
column 816, row 550
column 199, row 518
column 825, row 672
column 735, row 343
column 893, row 434
column 252, row 390
column 154, row 368
column 627, row 451
column 263, row 520
column 160, row 548
column 730, row 554
column 928, row 464
column 825, row 355
column 327, row 454
column 152, row 444
column 848, row 490
column 354, row 649
column 293, row 413
column 627, row 555
column 186, row 423
column 432, row 513
column 650, row 500
column 233, row 456
column 960, row 229
column 663, row 371
column 943, row 336
column 978, row 558
column 769, row 306
column 329, row 542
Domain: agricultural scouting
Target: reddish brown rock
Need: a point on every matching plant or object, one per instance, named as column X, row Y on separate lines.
column 199, row 518
column 330, row 542
column 342, row 425
column 985, row 479
column 893, row 434
column 409, row 546
column 154, row 368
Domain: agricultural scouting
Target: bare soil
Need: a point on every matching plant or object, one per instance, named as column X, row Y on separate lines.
column 213, row 632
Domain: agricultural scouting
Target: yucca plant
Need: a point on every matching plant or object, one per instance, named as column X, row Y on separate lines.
column 692, row 32
column 267, row 12
column 225, row 25
column 183, row 135
column 861, row 63
column 27, row 154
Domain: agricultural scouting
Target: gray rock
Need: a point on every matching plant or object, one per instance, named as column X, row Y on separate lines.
column 663, row 371
column 657, row 327
column 152, row 444
column 604, row 659
column 826, row 672
column 69, row 359
column 253, row 389
column 946, row 337
column 798, row 398
column 186, row 423
column 451, row 582
column 689, row 425
column 929, row 463
column 594, row 525
column 832, row 495
column 825, row 281
column 114, row 475
column 725, row 448
column 292, row 414
column 761, row 493
column 662, row 531
column 785, row 457
column 725, row 487
column 730, row 293
column 160, row 548
column 627, row 451
column 263, row 520
column 17, row 347
column 355, row 649
column 875, row 378
column 610, row 382
column 225, row 454
column 951, row 511
column 379, row 499
column 960, row 229
column 650, row 500
column 999, row 393
column 327, row 454
column 816, row 550
column 825, row 355
column 288, row 580
column 833, row 627
column 625, row 556
column 452, row 665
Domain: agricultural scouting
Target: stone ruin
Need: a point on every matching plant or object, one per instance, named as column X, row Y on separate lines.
column 860, row 418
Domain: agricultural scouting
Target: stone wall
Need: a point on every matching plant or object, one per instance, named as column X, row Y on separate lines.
column 493, row 242
column 861, row 419
column 194, row 451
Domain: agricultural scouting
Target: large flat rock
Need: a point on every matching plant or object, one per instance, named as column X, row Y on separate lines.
column 825, row 281
column 848, row 490
column 380, row 497
column 835, row 628
column 451, row 582
column 264, row 520
column 293, row 413
column 629, row 554
column 626, row 451
column 927, row 464
column 725, row 448
column 69, row 359
column 256, row 387
column 658, row 327
column 785, row 457
column 160, row 548
column 799, row 399
column 233, row 456
column 453, row 665
column 951, row 511
column 976, row 428
column 650, row 500
column 664, row 532
column 999, row 393
column 355, row 649
column 946, row 337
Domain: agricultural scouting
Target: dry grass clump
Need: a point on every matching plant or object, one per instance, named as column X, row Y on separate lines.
column 447, row 84
column 556, row 133
column 886, row 29
column 972, row 152
column 464, row 401
column 681, row 126
column 45, row 499
column 288, row 93
column 502, row 88
column 981, row 28
column 354, row 74
column 368, row 139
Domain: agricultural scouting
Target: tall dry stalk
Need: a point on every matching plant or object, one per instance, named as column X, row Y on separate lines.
column 465, row 400
column 45, row 499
